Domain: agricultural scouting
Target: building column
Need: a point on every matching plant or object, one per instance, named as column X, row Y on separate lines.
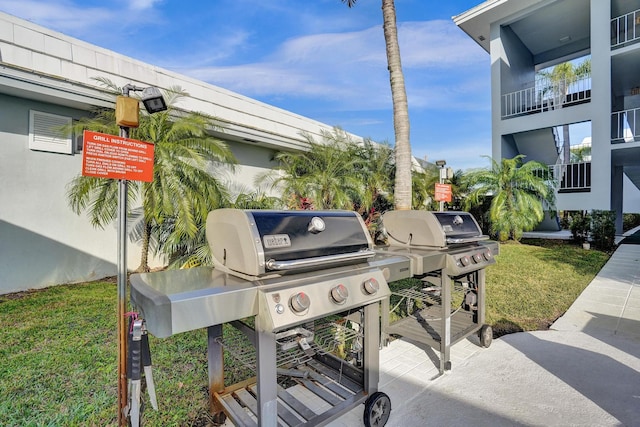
column 617, row 186
column 600, row 105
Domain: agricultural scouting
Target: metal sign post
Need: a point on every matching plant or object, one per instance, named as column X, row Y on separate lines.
column 106, row 156
column 122, row 295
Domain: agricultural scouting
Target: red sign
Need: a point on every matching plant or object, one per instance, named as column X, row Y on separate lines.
column 110, row 156
column 443, row 193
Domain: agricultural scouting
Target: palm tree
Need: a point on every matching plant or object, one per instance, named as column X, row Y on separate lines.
column 402, row 190
column 518, row 191
column 376, row 171
column 424, row 188
column 459, row 190
column 193, row 251
column 326, row 175
column 560, row 79
column 580, row 154
column 184, row 187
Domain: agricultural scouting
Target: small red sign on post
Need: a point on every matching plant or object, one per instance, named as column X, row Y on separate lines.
column 443, row 193
column 110, row 156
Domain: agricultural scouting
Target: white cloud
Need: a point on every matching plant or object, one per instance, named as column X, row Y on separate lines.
column 86, row 23
column 461, row 155
column 142, row 4
column 437, row 44
column 63, row 16
column 350, row 68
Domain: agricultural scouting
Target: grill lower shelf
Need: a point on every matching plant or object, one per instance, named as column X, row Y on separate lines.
column 429, row 332
column 318, row 387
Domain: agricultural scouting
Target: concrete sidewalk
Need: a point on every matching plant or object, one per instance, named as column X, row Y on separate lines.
column 585, row 371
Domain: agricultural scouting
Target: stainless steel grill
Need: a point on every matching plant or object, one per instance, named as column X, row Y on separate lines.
column 449, row 253
column 304, row 288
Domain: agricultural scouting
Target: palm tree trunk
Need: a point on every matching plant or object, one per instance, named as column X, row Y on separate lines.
column 402, row 193
column 144, row 255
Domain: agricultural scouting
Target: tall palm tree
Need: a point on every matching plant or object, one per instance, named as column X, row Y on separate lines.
column 402, row 189
column 560, row 79
column 518, row 195
column 184, row 187
column 327, row 174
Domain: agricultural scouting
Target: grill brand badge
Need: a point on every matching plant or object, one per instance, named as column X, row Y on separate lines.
column 276, row 241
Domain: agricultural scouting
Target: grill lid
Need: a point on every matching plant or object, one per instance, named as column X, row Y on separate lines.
column 259, row 242
column 431, row 229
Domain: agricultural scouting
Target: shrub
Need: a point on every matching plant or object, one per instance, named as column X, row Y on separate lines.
column 630, row 221
column 580, row 225
column 603, row 229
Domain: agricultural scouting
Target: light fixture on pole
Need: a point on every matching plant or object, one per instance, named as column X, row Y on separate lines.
column 127, row 116
column 153, row 100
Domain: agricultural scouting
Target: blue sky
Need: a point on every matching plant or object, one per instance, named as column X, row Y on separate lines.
column 316, row 58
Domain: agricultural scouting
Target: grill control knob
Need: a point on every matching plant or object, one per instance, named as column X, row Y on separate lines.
column 477, row 258
column 300, row 302
column 464, row 260
column 339, row 294
column 371, row 286
column 487, row 255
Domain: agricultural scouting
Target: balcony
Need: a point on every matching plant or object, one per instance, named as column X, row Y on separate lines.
column 546, row 95
column 624, row 126
column 625, row 29
column 572, row 177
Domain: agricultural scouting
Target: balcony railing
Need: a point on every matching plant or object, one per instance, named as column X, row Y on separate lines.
column 625, row 29
column 546, row 95
column 624, row 126
column 572, row 177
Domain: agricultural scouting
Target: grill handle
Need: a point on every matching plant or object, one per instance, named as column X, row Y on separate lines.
column 272, row 264
column 454, row 241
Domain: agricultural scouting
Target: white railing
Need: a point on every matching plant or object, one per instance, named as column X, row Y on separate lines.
column 546, row 95
column 571, row 177
column 625, row 28
column 624, row 126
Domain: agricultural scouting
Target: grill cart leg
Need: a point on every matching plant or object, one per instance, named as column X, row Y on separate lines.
column 371, row 347
column 267, row 377
column 445, row 336
column 215, row 362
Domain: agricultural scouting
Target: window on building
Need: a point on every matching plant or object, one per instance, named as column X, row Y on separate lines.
column 45, row 133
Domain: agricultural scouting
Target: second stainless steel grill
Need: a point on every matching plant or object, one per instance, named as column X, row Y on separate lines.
column 449, row 254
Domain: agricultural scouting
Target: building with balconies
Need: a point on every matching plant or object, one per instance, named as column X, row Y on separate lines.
column 580, row 122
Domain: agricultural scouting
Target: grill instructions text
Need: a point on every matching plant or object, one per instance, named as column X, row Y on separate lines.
column 110, row 156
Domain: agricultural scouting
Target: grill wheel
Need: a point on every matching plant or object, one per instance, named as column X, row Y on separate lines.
column 377, row 409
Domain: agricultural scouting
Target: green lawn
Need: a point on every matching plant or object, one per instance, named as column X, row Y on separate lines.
column 531, row 285
column 58, row 345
